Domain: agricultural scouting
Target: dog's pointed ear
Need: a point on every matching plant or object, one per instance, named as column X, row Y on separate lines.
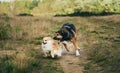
column 61, row 31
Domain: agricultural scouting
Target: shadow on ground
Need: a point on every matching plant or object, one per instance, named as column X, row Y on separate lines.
column 86, row 14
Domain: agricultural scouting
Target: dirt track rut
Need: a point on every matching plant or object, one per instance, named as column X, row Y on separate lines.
column 72, row 64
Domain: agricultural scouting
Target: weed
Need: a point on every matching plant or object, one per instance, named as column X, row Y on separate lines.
column 7, row 65
column 5, row 30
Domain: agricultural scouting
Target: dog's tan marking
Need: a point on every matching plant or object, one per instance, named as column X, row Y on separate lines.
column 58, row 35
column 56, row 46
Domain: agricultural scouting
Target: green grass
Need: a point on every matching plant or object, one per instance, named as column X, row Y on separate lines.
column 105, row 52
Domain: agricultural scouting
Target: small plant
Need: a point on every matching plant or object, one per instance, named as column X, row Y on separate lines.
column 7, row 65
column 5, row 30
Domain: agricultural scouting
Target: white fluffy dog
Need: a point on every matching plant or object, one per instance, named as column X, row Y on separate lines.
column 51, row 47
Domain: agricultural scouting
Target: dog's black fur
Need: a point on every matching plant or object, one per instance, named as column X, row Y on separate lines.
column 67, row 32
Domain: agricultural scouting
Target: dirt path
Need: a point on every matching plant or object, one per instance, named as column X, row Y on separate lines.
column 72, row 64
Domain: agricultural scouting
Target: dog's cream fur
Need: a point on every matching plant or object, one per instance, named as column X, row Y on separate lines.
column 51, row 47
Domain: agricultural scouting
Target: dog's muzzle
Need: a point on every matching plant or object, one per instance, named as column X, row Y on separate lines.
column 56, row 38
column 44, row 43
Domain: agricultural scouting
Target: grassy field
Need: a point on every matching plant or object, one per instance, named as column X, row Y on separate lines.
column 21, row 36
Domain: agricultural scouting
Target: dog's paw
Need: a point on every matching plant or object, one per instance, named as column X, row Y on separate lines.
column 77, row 53
column 52, row 56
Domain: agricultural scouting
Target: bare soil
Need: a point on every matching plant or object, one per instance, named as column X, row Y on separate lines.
column 72, row 64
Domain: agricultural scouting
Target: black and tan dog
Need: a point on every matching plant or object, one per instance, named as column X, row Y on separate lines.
column 67, row 33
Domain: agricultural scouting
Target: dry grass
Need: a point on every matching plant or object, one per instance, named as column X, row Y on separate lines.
column 23, row 48
column 30, row 27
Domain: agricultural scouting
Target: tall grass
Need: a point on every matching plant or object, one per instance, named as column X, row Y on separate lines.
column 5, row 27
column 21, row 53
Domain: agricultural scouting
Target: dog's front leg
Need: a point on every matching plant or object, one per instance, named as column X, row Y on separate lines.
column 66, row 46
column 52, row 53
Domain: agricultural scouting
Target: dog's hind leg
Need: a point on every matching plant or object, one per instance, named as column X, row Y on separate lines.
column 75, row 46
